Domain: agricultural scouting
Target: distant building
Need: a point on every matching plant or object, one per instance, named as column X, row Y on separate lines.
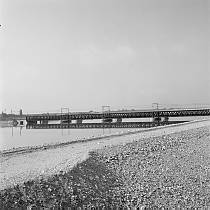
column 21, row 112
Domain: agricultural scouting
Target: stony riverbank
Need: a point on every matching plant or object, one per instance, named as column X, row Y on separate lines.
column 166, row 171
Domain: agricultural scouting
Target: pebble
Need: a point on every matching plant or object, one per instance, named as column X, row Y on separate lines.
column 159, row 172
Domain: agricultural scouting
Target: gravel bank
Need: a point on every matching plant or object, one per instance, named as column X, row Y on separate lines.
column 18, row 168
column 172, row 170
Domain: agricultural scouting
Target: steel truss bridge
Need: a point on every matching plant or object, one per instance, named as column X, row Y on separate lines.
column 158, row 117
column 102, row 125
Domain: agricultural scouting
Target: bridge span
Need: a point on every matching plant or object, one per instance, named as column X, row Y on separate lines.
column 102, row 125
column 158, row 117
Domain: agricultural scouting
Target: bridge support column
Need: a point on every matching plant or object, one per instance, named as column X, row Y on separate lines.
column 66, row 121
column 119, row 120
column 79, row 121
column 156, row 119
column 165, row 119
column 31, row 122
column 45, row 122
column 159, row 119
column 107, row 120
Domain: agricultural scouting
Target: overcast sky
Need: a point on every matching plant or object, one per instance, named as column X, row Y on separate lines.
column 83, row 54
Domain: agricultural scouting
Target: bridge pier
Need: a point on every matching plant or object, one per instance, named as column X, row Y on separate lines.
column 32, row 122
column 44, row 122
column 79, row 121
column 119, row 120
column 21, row 122
column 165, row 119
column 160, row 119
column 107, row 120
column 66, row 121
column 156, row 119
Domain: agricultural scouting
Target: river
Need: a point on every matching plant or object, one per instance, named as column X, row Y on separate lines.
column 13, row 137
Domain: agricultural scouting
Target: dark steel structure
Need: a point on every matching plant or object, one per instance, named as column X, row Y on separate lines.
column 118, row 114
column 101, row 125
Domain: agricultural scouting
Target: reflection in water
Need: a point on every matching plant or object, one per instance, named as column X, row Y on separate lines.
column 21, row 130
column 12, row 128
column 19, row 136
column 11, row 137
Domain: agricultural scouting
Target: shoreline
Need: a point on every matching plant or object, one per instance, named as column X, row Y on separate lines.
column 29, row 149
column 142, row 173
column 43, row 163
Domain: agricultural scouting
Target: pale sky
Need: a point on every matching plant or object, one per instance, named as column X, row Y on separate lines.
column 83, row 54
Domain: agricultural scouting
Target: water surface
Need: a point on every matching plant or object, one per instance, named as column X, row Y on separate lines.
column 13, row 137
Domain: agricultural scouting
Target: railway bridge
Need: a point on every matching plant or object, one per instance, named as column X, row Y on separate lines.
column 112, row 119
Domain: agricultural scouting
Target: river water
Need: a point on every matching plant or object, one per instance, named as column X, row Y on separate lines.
column 20, row 167
column 13, row 137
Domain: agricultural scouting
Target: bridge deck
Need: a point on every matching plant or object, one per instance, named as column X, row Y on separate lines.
column 120, row 114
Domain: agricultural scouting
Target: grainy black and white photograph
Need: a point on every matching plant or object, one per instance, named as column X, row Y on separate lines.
column 104, row 104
